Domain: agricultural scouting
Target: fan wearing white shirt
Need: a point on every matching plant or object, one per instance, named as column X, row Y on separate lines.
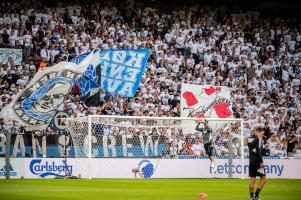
column 198, row 148
column 165, row 107
column 27, row 44
column 285, row 74
column 136, row 105
column 180, row 41
column 45, row 53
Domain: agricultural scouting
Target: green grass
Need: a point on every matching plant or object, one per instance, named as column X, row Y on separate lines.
column 144, row 189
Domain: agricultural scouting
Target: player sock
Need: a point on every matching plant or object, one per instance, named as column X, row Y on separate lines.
column 257, row 192
column 213, row 168
column 251, row 194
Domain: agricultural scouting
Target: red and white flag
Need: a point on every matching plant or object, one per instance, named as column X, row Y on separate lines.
column 206, row 101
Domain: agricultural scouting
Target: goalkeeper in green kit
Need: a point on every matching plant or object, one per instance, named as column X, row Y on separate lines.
column 207, row 136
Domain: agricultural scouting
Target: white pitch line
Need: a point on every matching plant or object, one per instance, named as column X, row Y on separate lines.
column 75, row 190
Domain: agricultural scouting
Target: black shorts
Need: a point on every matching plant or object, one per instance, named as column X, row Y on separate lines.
column 253, row 170
column 209, row 149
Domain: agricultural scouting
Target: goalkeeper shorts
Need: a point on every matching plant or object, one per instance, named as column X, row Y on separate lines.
column 209, row 149
column 255, row 170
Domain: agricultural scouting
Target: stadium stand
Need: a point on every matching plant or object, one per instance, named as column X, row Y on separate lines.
column 257, row 57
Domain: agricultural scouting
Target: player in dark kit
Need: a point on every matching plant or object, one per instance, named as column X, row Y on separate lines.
column 255, row 144
column 207, row 140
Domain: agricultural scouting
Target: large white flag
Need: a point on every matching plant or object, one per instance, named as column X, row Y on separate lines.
column 205, row 101
column 36, row 105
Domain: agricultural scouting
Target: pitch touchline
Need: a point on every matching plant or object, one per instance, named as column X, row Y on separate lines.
column 77, row 190
column 108, row 190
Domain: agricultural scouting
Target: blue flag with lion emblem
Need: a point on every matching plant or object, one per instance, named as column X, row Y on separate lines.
column 35, row 106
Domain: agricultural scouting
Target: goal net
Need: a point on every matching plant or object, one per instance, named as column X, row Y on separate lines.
column 105, row 136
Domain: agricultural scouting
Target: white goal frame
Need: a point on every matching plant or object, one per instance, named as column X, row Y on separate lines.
column 89, row 136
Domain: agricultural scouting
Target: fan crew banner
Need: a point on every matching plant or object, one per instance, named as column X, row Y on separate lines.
column 205, row 101
column 56, row 146
column 36, row 105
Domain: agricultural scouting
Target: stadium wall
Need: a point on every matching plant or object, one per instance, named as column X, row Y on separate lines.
column 149, row 168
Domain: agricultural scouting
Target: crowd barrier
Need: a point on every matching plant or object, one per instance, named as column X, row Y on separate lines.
column 148, row 168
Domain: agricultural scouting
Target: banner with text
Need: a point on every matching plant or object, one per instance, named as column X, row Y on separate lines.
column 148, row 168
column 119, row 72
column 56, row 146
column 14, row 54
column 122, row 70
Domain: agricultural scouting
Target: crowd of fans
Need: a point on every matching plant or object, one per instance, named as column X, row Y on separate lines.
column 257, row 57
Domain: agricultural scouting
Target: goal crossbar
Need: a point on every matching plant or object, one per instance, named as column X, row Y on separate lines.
column 164, row 118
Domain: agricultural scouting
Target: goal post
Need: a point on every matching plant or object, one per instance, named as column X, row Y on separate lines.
column 89, row 145
column 106, row 136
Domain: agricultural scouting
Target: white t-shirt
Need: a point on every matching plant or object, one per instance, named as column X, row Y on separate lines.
column 285, row 75
column 136, row 106
column 21, row 82
column 13, row 39
column 194, row 47
column 180, row 42
column 197, row 148
column 27, row 40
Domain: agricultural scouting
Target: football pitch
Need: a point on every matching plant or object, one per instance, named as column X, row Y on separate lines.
column 144, row 189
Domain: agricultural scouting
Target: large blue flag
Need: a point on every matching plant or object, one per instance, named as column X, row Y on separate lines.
column 119, row 72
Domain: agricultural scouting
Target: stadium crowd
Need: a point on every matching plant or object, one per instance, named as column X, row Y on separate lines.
column 257, row 57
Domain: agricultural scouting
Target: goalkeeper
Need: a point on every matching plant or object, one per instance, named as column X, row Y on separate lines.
column 207, row 140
